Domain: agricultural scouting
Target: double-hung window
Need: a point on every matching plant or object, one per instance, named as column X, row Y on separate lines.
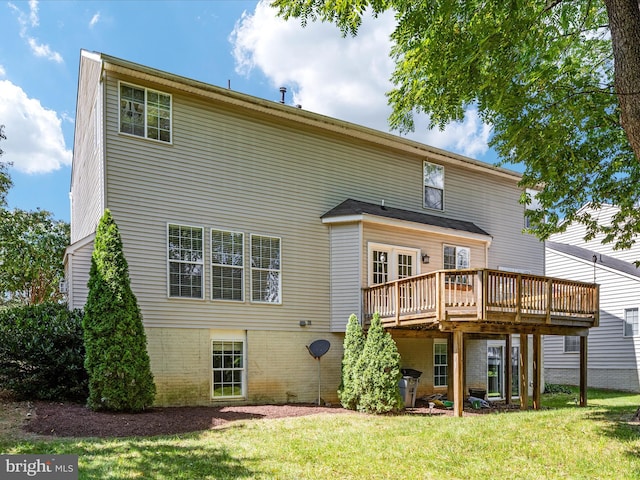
column 228, row 357
column 186, row 261
column 433, row 176
column 440, row 364
column 571, row 344
column 227, row 265
column 145, row 113
column 456, row 258
column 266, row 278
column 631, row 322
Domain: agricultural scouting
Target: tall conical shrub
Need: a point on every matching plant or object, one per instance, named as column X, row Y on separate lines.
column 354, row 340
column 378, row 372
column 116, row 360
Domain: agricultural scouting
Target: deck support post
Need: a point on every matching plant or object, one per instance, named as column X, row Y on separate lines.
column 450, row 393
column 524, row 371
column 508, row 371
column 583, row 371
column 458, row 373
column 537, row 369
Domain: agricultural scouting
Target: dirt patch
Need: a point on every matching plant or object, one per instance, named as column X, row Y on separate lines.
column 73, row 420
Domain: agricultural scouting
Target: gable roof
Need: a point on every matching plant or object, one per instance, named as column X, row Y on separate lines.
column 588, row 255
column 351, row 208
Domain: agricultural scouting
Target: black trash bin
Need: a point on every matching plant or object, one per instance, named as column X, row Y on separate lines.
column 408, row 385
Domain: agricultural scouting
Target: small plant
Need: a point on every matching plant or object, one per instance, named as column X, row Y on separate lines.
column 378, row 372
column 117, row 361
column 554, row 388
column 42, row 352
column 354, row 341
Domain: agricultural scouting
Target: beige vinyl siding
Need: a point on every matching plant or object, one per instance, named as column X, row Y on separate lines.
column 346, row 293
column 87, row 195
column 607, row 348
column 429, row 243
column 492, row 203
column 238, row 170
column 78, row 263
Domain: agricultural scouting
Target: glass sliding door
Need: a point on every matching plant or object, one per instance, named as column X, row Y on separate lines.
column 515, row 371
column 495, row 371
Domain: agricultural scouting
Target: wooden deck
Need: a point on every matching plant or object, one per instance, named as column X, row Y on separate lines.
column 485, row 301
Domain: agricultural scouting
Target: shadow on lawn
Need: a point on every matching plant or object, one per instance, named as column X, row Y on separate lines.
column 614, row 410
column 159, row 459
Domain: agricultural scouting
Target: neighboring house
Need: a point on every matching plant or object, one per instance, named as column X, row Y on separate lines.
column 613, row 347
column 253, row 228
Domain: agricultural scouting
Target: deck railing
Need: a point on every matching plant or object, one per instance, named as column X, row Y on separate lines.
column 484, row 294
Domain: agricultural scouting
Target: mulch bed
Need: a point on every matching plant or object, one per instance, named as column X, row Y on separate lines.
column 75, row 420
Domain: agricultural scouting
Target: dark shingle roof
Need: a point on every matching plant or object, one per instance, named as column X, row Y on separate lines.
column 355, row 207
column 586, row 254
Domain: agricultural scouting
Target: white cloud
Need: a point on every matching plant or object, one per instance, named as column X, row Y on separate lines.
column 43, row 50
column 345, row 78
column 34, row 143
column 3, row 72
column 32, row 20
column 33, row 13
column 95, row 19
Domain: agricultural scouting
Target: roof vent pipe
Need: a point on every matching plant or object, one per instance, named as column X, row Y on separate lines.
column 283, row 90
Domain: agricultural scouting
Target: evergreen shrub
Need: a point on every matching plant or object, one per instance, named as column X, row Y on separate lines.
column 117, row 361
column 377, row 372
column 354, row 341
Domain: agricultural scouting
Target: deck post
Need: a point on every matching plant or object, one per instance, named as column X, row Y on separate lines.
column 537, row 369
column 508, row 371
column 450, row 393
column 458, row 373
column 549, row 300
column 396, row 289
column 583, row 371
column 440, row 310
column 524, row 371
column 518, row 298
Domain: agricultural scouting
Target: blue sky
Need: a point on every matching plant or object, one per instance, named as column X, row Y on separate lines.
column 219, row 42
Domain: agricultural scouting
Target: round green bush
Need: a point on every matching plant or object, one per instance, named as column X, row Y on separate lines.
column 42, row 353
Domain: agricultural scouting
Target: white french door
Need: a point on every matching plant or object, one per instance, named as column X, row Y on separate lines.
column 388, row 262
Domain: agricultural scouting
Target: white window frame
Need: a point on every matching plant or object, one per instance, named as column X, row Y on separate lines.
column 427, row 182
column 568, row 344
column 146, row 113
column 227, row 266
column 177, row 261
column 392, row 252
column 456, row 249
column 229, row 337
column 255, row 269
column 625, row 323
column 436, row 376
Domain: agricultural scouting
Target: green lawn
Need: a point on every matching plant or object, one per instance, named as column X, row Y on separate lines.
column 563, row 441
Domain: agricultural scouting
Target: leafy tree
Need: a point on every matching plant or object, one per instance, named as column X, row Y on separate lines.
column 378, row 372
column 42, row 352
column 557, row 80
column 354, row 341
column 5, row 179
column 32, row 246
column 117, row 361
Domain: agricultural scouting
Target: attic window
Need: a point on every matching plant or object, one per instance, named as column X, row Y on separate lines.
column 145, row 113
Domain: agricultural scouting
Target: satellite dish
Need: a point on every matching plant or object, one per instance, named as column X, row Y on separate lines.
column 317, row 349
